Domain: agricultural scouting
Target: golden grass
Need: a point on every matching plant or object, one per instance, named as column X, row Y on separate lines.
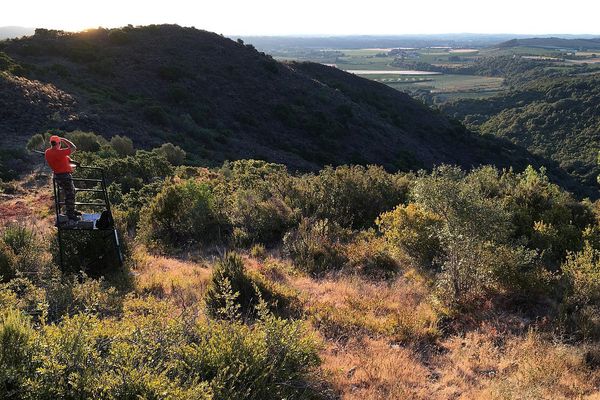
column 370, row 369
column 381, row 340
column 347, row 307
column 183, row 281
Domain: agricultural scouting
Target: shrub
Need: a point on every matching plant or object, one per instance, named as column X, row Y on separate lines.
column 316, row 246
column 258, row 219
column 351, row 196
column 174, row 154
column 36, row 142
column 470, row 225
column 271, row 360
column 581, row 272
column 122, row 145
column 237, row 294
column 17, row 337
column 547, row 216
column 150, row 354
column 26, row 250
column 181, row 213
column 21, row 294
column 231, row 293
column 368, row 255
column 412, row 230
column 131, row 172
column 258, row 251
column 8, row 263
column 85, row 141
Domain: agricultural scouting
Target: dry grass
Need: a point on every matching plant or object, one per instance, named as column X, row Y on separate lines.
column 29, row 198
column 474, row 367
column 372, row 369
column 183, row 281
column 381, row 340
column 348, row 307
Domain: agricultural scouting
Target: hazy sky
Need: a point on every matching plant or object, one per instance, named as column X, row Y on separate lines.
column 280, row 17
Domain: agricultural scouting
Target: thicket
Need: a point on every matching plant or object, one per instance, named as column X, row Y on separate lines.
column 66, row 335
column 148, row 354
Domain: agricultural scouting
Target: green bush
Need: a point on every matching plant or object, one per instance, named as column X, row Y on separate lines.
column 36, row 142
column 182, row 213
column 369, row 256
column 272, row 360
column 149, row 353
column 8, row 263
column 258, row 219
column 236, row 294
column 351, row 196
column 470, row 225
column 85, row 141
column 131, row 172
column 412, row 230
column 122, row 145
column 258, row 251
column 24, row 248
column 81, row 294
column 174, row 154
column 231, row 293
column 547, row 216
column 581, row 304
column 316, row 246
column 16, row 351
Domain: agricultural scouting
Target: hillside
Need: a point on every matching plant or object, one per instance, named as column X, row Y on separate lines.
column 554, row 42
column 221, row 99
column 557, row 118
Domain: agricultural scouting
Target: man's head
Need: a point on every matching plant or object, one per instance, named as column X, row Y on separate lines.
column 55, row 141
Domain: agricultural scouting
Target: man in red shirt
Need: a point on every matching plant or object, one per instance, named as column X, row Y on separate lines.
column 60, row 162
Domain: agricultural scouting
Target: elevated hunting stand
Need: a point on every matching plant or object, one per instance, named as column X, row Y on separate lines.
column 94, row 237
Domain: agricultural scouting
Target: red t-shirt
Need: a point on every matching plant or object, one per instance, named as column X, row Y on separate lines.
column 59, row 160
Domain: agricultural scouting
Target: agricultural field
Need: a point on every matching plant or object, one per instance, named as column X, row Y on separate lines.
column 449, row 86
column 378, row 64
column 389, row 66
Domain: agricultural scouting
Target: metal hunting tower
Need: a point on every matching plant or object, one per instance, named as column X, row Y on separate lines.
column 92, row 243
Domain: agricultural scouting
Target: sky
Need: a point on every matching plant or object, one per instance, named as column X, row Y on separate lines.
column 315, row 17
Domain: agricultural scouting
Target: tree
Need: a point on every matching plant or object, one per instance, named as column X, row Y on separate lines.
column 36, row 142
column 122, row 145
column 174, row 154
column 472, row 225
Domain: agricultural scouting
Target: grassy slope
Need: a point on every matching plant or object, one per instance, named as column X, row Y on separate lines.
column 379, row 340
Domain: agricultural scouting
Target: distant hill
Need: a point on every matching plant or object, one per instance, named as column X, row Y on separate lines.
column 9, row 32
column 554, row 43
column 221, row 99
column 557, row 118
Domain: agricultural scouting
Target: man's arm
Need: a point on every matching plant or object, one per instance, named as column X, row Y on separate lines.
column 70, row 144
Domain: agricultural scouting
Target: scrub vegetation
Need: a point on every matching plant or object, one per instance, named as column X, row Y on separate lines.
column 249, row 281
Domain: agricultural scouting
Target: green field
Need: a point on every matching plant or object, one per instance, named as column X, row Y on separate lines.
column 443, row 86
column 448, row 86
column 471, row 86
